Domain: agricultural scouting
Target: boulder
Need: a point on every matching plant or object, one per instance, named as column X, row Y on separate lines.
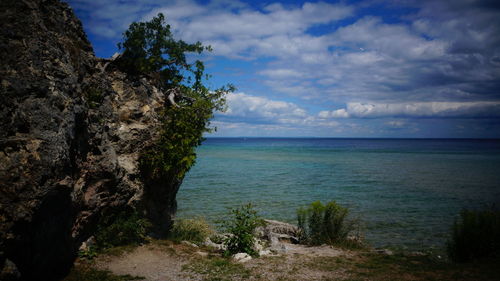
column 276, row 231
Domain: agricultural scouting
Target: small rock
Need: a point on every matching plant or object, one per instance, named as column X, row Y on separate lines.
column 241, row 257
column 84, row 247
column 279, row 248
column 202, row 254
column 189, row 244
column 87, row 244
column 384, row 252
column 258, row 245
column 265, row 253
column 211, row 244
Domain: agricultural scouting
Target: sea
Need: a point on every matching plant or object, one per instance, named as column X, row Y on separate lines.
column 406, row 193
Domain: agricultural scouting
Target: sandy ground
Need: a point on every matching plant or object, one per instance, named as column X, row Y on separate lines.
column 162, row 262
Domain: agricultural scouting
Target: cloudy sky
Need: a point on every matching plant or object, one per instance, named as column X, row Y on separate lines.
column 371, row 68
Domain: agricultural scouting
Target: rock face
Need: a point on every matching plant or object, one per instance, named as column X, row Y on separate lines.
column 70, row 140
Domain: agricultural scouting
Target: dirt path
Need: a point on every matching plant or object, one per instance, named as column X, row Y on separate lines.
column 148, row 261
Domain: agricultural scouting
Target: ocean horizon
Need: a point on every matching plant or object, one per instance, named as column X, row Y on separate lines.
column 406, row 192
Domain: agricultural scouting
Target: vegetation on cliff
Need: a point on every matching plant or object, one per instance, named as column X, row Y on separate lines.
column 149, row 49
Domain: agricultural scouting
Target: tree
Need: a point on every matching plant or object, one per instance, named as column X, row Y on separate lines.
column 150, row 50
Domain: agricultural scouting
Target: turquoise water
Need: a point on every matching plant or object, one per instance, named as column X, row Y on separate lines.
column 406, row 192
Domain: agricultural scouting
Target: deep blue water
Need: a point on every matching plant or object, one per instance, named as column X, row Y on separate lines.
column 406, row 192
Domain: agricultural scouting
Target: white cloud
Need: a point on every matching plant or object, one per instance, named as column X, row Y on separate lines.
column 339, row 113
column 253, row 110
column 396, row 124
column 254, row 107
column 281, row 73
column 246, row 32
column 440, row 61
column 416, row 109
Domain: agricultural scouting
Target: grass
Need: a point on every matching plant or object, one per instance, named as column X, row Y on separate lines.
column 474, row 231
column 218, row 268
column 119, row 250
column 360, row 265
column 195, row 230
column 373, row 266
column 85, row 272
column 475, row 235
column 327, row 224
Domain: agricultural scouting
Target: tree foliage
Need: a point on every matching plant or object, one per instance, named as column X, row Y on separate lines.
column 149, row 49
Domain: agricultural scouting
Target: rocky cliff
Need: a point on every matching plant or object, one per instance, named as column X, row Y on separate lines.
column 70, row 138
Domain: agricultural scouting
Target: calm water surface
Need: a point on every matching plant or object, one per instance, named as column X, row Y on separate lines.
column 407, row 192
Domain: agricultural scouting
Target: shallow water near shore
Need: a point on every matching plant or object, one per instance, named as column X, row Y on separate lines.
column 406, row 192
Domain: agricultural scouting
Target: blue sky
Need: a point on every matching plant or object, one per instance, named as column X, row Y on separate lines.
column 373, row 68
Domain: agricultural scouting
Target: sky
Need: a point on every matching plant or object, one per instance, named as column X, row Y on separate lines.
column 374, row 68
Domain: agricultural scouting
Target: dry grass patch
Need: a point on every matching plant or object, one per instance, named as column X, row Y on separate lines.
column 217, row 268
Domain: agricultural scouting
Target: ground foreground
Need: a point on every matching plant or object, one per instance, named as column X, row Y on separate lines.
column 166, row 260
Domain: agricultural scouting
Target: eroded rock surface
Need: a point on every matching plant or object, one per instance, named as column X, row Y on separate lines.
column 70, row 140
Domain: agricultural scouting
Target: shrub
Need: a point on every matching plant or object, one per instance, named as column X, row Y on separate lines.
column 325, row 224
column 89, row 254
column 181, row 132
column 122, row 229
column 241, row 226
column 195, row 230
column 475, row 235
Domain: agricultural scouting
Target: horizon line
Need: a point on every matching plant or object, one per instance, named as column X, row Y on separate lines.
column 315, row 137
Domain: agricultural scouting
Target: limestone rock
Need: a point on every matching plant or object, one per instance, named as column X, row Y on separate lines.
column 278, row 231
column 241, row 257
column 87, row 245
column 71, row 136
column 266, row 252
column 211, row 244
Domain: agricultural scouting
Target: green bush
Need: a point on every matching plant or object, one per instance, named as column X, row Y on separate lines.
column 180, row 133
column 325, row 224
column 241, row 226
column 475, row 235
column 122, row 229
column 88, row 254
column 195, row 230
